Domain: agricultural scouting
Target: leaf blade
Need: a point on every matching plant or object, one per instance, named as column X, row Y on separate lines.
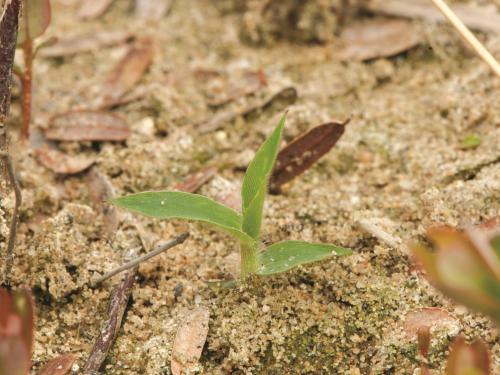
column 283, row 256
column 181, row 205
column 255, row 182
column 35, row 19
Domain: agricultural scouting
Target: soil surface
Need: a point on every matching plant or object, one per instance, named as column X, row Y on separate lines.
column 400, row 166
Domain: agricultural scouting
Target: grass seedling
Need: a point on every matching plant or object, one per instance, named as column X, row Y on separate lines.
column 276, row 258
column 33, row 23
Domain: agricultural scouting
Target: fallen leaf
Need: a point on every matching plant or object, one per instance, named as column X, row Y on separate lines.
column 189, row 341
column 152, row 9
column 426, row 317
column 62, row 163
column 282, row 98
column 91, row 9
column 244, row 84
column 58, row 366
column 85, row 43
column 87, row 126
column 300, row 154
column 101, row 190
column 127, row 72
column 197, row 180
column 377, row 38
column 475, row 17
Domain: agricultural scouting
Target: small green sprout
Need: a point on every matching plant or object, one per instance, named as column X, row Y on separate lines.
column 276, row 258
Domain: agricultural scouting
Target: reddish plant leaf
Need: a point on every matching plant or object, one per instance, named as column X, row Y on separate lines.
column 87, row 126
column 17, row 314
column 84, row 43
column 197, row 180
column 58, row 366
column 189, row 341
column 152, row 9
column 35, row 19
column 377, row 38
column 300, row 154
column 467, row 359
column 127, row 72
column 429, row 317
column 93, row 8
column 62, row 163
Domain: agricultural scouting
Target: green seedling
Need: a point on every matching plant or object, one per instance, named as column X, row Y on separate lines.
column 276, row 258
column 465, row 266
column 33, row 23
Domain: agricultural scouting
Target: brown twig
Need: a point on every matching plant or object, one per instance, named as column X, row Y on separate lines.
column 133, row 263
column 111, row 326
column 15, row 216
column 26, row 83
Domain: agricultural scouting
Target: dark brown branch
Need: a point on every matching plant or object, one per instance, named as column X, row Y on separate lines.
column 15, row 216
column 110, row 328
column 8, row 36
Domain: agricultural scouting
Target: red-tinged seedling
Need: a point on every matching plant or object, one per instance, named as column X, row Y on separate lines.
column 276, row 258
column 34, row 21
column 468, row 359
column 16, row 332
column 465, row 266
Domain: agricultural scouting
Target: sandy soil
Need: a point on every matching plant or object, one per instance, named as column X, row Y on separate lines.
column 400, row 166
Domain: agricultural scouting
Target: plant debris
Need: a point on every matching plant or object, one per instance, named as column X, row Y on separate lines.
column 85, row 43
column 87, row 126
column 189, row 341
column 58, row 366
column 62, row 163
column 196, row 181
column 300, row 154
column 377, row 38
column 92, row 9
column 427, row 317
column 248, row 83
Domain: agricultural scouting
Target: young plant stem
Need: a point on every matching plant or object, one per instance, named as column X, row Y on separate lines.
column 249, row 264
column 27, row 89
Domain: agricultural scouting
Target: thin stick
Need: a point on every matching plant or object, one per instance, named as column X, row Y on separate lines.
column 380, row 234
column 468, row 36
column 13, row 224
column 160, row 249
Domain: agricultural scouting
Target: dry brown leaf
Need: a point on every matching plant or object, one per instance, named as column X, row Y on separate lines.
column 426, row 317
column 377, row 38
column 281, row 99
column 197, row 180
column 62, row 163
column 189, row 341
column 247, row 83
column 87, row 126
column 91, row 9
column 85, row 43
column 478, row 18
column 58, row 366
column 152, row 9
column 127, row 72
column 300, row 154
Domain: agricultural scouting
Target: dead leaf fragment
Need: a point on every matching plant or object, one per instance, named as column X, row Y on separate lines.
column 85, row 43
column 304, row 151
column 62, row 163
column 87, row 126
column 246, row 83
column 480, row 18
column 429, row 317
column 127, row 72
column 58, row 366
column 377, row 38
column 91, row 9
column 152, row 9
column 196, row 181
column 189, row 341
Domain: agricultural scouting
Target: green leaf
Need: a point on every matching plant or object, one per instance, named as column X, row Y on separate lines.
column 471, row 141
column 254, row 189
column 282, row 256
column 35, row 19
column 180, row 205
